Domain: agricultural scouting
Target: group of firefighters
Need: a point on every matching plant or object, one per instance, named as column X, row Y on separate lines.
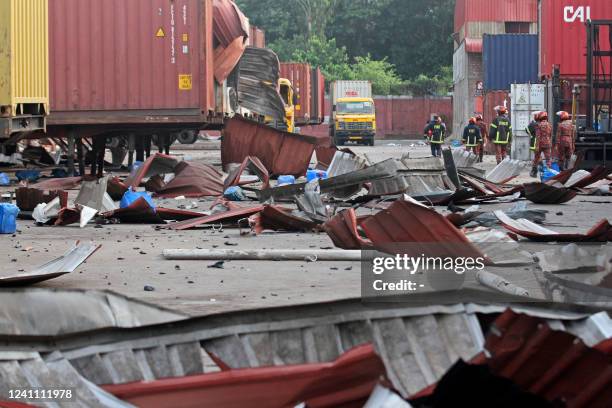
column 476, row 134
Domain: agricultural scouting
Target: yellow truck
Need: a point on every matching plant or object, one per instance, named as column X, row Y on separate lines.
column 353, row 116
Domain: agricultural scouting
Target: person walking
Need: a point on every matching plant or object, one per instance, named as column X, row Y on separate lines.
column 471, row 136
column 544, row 143
column 533, row 140
column 484, row 136
column 566, row 136
column 435, row 132
column 501, row 133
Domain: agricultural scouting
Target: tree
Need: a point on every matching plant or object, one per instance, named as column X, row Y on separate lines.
column 424, row 85
column 317, row 13
column 381, row 73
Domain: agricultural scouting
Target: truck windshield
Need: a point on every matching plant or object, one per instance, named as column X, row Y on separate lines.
column 365, row 108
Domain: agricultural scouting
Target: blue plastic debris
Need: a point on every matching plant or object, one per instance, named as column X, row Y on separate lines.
column 131, row 196
column 284, row 180
column 547, row 174
column 8, row 218
column 234, row 193
column 315, row 174
column 4, row 179
column 28, row 175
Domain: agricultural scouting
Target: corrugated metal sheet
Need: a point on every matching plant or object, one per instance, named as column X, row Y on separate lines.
column 563, row 33
column 24, row 66
column 281, row 153
column 229, row 22
column 348, row 381
column 541, row 193
column 509, row 59
column 504, row 10
column 342, row 229
column 130, row 55
column 257, row 37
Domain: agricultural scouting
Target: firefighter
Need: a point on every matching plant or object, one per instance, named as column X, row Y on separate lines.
column 435, row 132
column 533, row 140
column 566, row 133
column 484, row 136
column 471, row 136
column 544, row 142
column 501, row 133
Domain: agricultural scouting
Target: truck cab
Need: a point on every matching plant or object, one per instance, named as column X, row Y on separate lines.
column 353, row 117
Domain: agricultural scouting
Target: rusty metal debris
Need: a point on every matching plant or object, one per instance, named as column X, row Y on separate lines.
column 192, row 180
column 343, row 230
column 601, row 232
column 277, row 218
column 29, row 198
column 542, row 193
column 252, row 164
column 505, row 171
column 230, row 217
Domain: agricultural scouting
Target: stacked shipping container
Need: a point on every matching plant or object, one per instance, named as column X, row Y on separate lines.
column 309, row 87
column 508, row 59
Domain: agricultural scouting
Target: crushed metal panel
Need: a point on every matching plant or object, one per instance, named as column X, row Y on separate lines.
column 29, row 198
column 227, row 217
column 505, row 171
column 384, row 169
column 171, row 214
column 229, row 22
column 227, row 58
column 342, row 229
column 311, row 204
column 573, row 258
column 157, row 164
column 278, row 218
column 542, row 193
column 344, row 163
column 93, row 195
column 282, row 153
column 138, row 212
column 53, row 312
column 598, row 173
column 63, row 265
column 325, row 155
column 464, row 158
column 393, row 185
column 66, row 183
column 348, row 380
column 258, row 75
column 527, row 351
column 411, row 222
column 255, row 166
column 567, row 290
column 601, row 232
column 192, row 179
column 451, row 168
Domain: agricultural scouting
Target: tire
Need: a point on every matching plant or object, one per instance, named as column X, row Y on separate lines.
column 187, row 137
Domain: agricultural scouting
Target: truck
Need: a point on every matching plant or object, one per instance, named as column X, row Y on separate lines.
column 285, row 89
column 353, row 115
column 308, row 85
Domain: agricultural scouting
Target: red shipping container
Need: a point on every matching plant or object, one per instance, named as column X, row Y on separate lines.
column 309, row 87
column 563, row 33
column 487, row 10
column 111, row 59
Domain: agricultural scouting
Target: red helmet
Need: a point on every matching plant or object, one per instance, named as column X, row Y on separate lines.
column 502, row 110
column 479, row 118
column 473, row 121
column 543, row 116
column 563, row 115
column 536, row 115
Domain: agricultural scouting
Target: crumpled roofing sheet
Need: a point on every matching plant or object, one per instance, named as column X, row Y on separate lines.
column 598, row 173
column 229, row 22
column 192, row 179
column 66, row 183
column 505, row 171
column 463, row 158
column 138, row 212
column 63, row 265
column 226, row 217
column 27, row 371
column 255, row 166
column 278, row 218
column 542, row 193
column 349, row 380
column 155, row 164
column 53, row 312
column 600, row 232
column 226, row 58
column 342, row 229
column 280, row 152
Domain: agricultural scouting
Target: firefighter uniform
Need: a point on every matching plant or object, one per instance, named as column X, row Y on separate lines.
column 471, row 137
column 435, row 131
column 531, row 131
column 544, row 142
column 565, row 143
column 484, row 137
column 501, row 135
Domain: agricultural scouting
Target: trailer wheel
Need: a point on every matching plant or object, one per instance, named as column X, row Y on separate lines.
column 187, row 137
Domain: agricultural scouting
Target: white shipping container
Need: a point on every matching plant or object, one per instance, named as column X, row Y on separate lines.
column 351, row 89
column 526, row 100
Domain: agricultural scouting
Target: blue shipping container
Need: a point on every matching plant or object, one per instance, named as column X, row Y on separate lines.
column 509, row 59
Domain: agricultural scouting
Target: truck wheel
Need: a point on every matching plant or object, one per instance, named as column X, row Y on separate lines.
column 187, row 137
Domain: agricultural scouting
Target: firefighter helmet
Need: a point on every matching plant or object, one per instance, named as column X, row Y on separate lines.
column 543, row 116
column 479, row 118
column 473, row 121
column 501, row 110
column 563, row 115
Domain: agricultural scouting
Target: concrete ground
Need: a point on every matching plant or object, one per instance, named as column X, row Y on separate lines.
column 130, row 257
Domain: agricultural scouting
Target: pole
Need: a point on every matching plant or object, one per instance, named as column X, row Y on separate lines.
column 261, row 255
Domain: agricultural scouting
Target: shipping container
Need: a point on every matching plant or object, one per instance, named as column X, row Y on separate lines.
column 257, row 37
column 509, row 59
column 24, row 65
column 131, row 62
column 350, row 89
column 309, row 88
column 526, row 100
column 563, row 33
column 505, row 11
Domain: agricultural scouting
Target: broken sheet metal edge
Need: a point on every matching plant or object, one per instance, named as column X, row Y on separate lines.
column 342, row 229
column 280, row 218
column 65, row 264
column 31, row 370
column 600, row 232
column 157, row 164
column 542, row 353
column 541, row 193
column 193, row 180
column 463, row 158
column 598, row 173
column 355, row 374
column 384, row 169
column 344, row 162
column 255, row 166
column 568, row 290
column 244, row 212
column 243, row 339
column 505, row 170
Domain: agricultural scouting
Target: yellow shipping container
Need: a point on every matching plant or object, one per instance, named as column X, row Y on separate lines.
column 24, row 57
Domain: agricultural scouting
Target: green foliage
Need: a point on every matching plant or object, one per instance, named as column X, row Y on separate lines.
column 381, row 73
column 424, row 85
